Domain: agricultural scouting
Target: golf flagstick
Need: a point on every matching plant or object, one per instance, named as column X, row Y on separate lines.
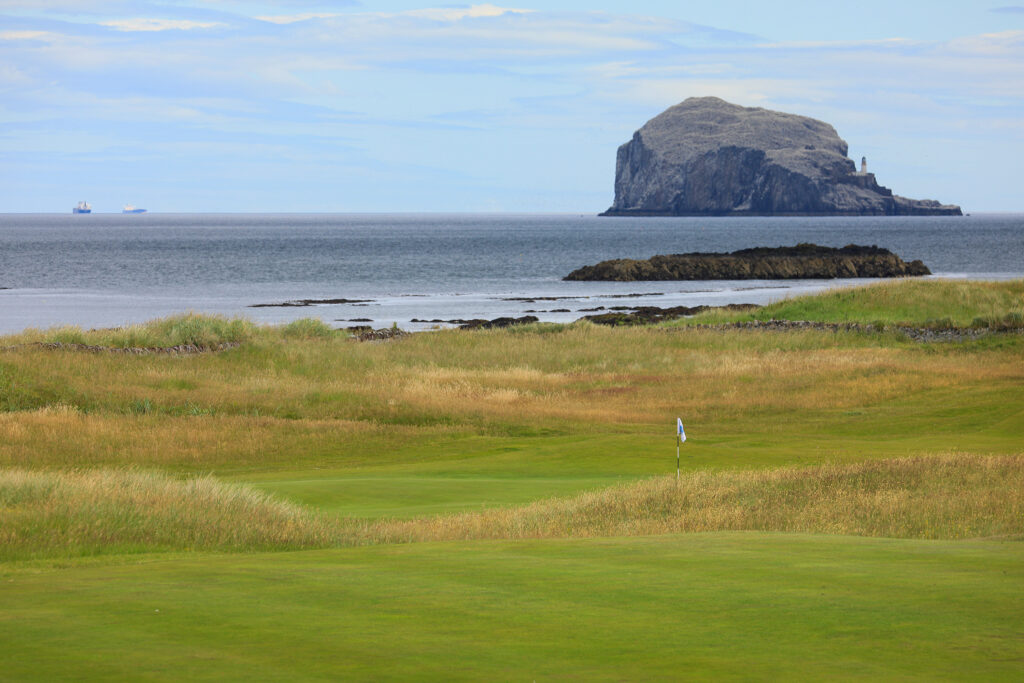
column 680, row 438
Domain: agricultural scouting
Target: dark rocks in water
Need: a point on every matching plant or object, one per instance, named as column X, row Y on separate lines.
column 498, row 323
column 312, row 302
column 480, row 323
column 535, row 299
column 453, row 321
column 707, row 157
column 646, row 315
column 804, row 261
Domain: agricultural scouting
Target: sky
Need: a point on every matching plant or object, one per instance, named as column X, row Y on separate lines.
column 404, row 105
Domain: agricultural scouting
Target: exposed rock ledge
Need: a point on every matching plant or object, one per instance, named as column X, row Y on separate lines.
column 805, row 261
column 707, row 157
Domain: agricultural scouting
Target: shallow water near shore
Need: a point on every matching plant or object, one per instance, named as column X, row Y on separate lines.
column 103, row 270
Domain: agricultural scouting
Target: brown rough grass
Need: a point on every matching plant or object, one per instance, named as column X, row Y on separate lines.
column 80, row 513
column 947, row 497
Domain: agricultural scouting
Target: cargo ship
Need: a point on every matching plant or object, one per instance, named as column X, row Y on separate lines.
column 83, row 207
column 128, row 208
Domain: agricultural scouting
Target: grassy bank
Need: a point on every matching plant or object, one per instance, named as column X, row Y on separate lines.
column 935, row 303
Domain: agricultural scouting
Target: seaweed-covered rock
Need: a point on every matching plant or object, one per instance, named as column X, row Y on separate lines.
column 804, row 261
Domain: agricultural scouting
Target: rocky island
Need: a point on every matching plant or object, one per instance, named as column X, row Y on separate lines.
column 808, row 261
column 707, row 157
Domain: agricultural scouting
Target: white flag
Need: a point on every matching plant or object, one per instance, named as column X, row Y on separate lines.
column 682, row 434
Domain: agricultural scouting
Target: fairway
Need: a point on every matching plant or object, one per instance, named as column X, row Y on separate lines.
column 502, row 504
column 738, row 605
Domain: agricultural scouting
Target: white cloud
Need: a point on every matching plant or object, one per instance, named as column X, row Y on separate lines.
column 293, row 18
column 1005, row 43
column 26, row 35
column 839, row 44
column 438, row 14
column 750, row 91
column 472, row 12
column 147, row 24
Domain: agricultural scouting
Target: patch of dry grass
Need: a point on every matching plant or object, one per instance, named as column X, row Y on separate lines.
column 947, row 497
column 81, row 513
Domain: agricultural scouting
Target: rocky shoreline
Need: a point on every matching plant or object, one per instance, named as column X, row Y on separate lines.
column 920, row 334
column 803, row 261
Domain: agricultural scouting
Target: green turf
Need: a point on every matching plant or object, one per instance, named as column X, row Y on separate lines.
column 704, row 606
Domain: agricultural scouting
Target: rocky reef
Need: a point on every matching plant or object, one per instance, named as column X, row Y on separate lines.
column 649, row 315
column 762, row 263
column 707, row 157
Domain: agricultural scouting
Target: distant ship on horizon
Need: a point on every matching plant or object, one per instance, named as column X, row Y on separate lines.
column 128, row 208
column 83, row 207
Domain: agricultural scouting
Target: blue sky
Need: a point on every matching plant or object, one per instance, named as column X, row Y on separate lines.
column 288, row 105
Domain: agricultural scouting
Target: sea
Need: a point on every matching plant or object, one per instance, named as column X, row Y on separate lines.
column 107, row 270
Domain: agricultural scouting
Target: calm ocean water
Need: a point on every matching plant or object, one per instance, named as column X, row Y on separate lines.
column 103, row 270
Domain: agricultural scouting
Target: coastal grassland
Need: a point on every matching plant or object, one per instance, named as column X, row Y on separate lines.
column 850, row 506
column 928, row 302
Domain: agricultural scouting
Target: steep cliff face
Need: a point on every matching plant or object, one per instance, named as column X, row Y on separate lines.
column 706, row 156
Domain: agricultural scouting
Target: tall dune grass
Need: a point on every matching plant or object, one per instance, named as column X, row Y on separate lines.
column 82, row 513
column 947, row 497
column 186, row 329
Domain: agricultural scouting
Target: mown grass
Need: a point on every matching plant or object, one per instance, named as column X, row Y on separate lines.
column 932, row 303
column 728, row 606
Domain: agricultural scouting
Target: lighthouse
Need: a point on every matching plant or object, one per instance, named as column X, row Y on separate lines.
column 863, row 164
